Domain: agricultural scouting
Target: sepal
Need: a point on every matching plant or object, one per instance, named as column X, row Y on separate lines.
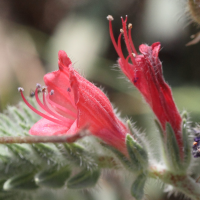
column 137, row 154
column 133, row 132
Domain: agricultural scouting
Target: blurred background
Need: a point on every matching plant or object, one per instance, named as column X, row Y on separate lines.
column 32, row 32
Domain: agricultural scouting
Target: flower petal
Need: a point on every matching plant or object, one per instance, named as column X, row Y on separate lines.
column 59, row 82
column 97, row 113
column 45, row 127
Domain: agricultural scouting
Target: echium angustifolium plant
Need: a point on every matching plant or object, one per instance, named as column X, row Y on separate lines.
column 61, row 153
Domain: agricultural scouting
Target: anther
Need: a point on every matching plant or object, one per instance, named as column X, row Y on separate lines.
column 110, row 18
column 194, row 143
column 32, row 94
column 44, row 89
column 130, row 26
column 51, row 92
column 121, row 30
column 20, row 89
column 134, row 55
column 38, row 86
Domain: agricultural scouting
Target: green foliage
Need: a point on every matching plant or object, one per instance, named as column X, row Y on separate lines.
column 31, row 167
column 137, row 154
column 137, row 188
column 84, row 179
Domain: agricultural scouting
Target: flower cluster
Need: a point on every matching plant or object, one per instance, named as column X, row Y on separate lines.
column 70, row 102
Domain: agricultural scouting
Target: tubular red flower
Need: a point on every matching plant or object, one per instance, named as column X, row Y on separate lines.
column 71, row 103
column 145, row 72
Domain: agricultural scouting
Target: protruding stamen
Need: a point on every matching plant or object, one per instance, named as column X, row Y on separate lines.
column 126, row 18
column 121, row 30
column 47, row 109
column 20, row 89
column 112, row 36
column 40, row 113
column 119, row 47
column 128, row 46
column 134, row 55
column 38, row 86
column 130, row 40
column 44, row 89
column 63, row 109
column 130, row 26
column 32, row 93
column 110, row 18
column 51, row 92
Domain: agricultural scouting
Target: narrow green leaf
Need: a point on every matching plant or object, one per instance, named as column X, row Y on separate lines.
column 159, row 129
column 137, row 153
column 53, row 178
column 137, row 188
column 124, row 160
column 21, row 182
column 78, row 155
column 186, row 145
column 84, row 179
column 172, row 149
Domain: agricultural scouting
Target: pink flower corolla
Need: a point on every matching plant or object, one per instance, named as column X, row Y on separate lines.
column 145, row 72
column 70, row 103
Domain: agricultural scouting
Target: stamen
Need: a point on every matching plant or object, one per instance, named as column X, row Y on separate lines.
column 119, row 47
column 126, row 18
column 65, row 110
column 128, row 69
column 130, row 40
column 133, row 54
column 130, row 26
column 38, row 112
column 54, row 114
column 110, row 18
column 38, row 85
column 20, row 89
column 44, row 89
column 121, row 30
column 112, row 35
column 32, row 94
column 127, row 40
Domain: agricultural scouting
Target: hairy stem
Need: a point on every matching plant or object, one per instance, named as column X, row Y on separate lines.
column 182, row 182
column 43, row 139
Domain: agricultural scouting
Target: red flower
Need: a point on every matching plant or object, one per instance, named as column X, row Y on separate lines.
column 71, row 103
column 145, row 73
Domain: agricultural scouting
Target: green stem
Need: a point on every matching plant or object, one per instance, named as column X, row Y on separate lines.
column 182, row 182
